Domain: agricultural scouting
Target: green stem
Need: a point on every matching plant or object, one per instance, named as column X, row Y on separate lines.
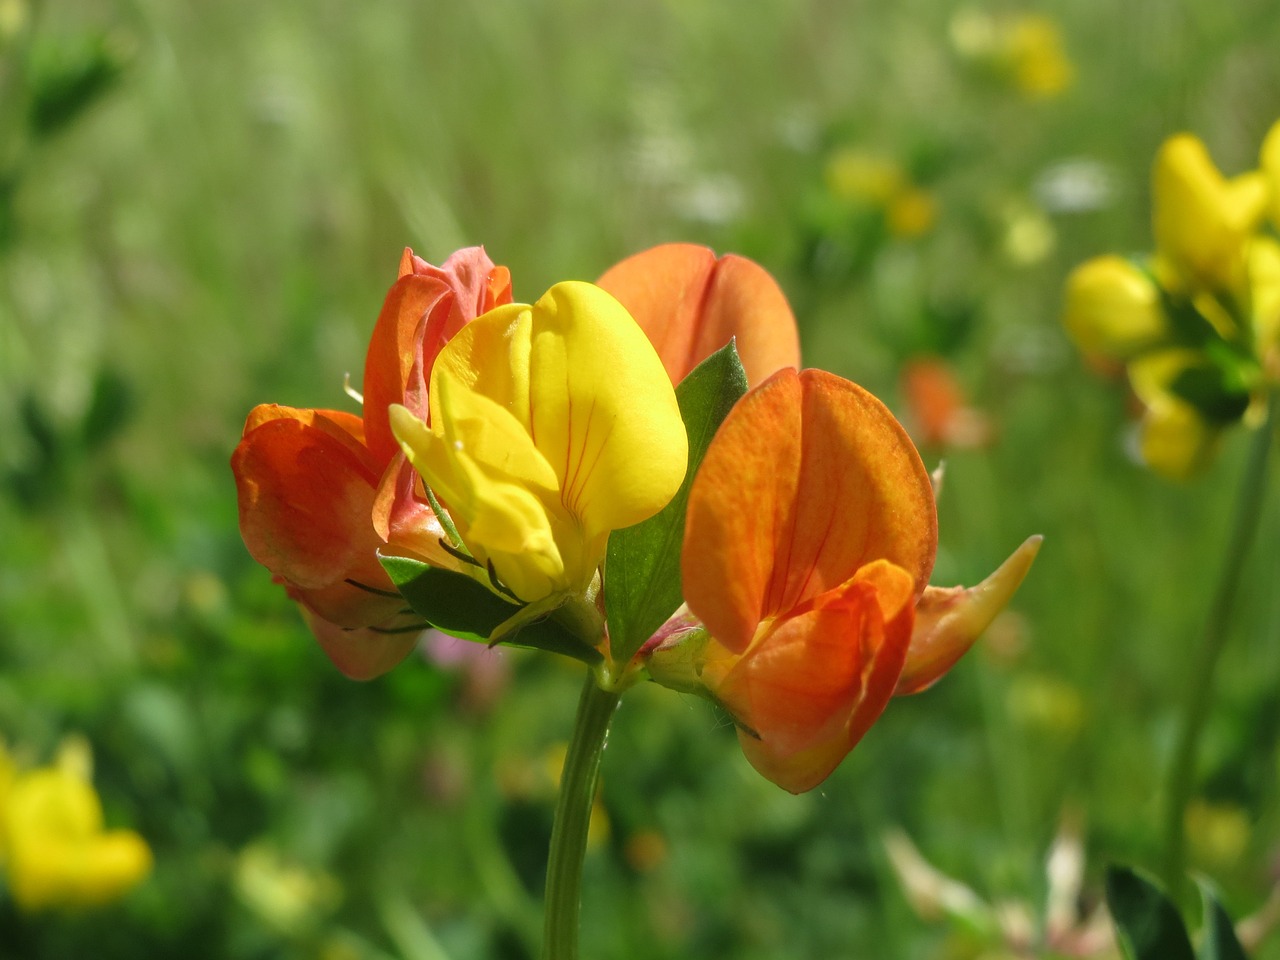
column 573, row 816
column 1204, row 665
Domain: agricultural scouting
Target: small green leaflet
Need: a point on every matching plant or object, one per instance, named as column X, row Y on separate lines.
column 1151, row 929
column 462, row 607
column 1147, row 921
column 642, row 568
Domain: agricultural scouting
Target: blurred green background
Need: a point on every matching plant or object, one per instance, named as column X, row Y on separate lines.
column 201, row 208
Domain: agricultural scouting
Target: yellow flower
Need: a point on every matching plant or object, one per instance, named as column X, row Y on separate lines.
column 1271, row 168
column 1202, row 221
column 861, row 178
column 1113, row 308
column 551, row 425
column 1176, row 440
column 58, row 854
column 1037, row 58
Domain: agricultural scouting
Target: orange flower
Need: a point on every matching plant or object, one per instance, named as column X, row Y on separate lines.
column 690, row 304
column 320, row 491
column 809, row 540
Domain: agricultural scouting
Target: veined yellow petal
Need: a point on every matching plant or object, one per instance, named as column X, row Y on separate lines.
column 602, row 410
column 499, row 489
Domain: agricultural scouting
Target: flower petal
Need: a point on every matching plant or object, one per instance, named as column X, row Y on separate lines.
column 690, row 305
column 423, row 310
column 363, row 654
column 949, row 621
column 1113, row 309
column 306, row 490
column 601, row 410
column 808, row 479
column 1201, row 219
column 814, row 683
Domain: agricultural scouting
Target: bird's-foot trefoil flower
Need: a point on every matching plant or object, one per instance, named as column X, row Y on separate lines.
column 810, row 537
column 321, row 491
column 1196, row 323
column 53, row 842
column 551, row 425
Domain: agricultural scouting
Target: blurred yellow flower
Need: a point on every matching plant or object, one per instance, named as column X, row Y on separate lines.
column 1175, row 439
column 1113, row 308
column 1219, row 833
column 1199, row 329
column 57, row 852
column 1201, row 220
column 1025, row 49
column 1037, row 58
column 288, row 897
column 862, row 178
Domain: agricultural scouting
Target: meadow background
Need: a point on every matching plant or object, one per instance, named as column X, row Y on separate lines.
column 201, row 208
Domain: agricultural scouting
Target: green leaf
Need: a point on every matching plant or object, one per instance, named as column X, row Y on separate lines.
column 462, row 607
column 1220, row 941
column 1148, row 922
column 67, row 76
column 642, row 568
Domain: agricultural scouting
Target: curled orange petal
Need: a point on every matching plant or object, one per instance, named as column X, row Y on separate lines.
column 690, row 304
column 814, row 682
column 950, row 620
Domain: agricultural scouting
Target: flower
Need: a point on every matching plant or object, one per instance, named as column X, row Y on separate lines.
column 1113, row 308
column 939, row 412
column 860, row 178
column 1025, row 50
column 1197, row 323
column 810, row 535
column 320, row 491
column 1202, row 222
column 57, row 852
column 691, row 303
column 550, row 426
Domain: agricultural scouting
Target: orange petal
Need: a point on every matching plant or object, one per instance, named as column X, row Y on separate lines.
column 949, row 621
column 361, row 654
column 816, row 682
column 690, row 305
column 306, row 490
column 404, row 519
column 808, row 479
column 422, row 311
column 414, row 304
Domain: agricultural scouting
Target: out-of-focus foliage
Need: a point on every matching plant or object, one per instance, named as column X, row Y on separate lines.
column 201, row 206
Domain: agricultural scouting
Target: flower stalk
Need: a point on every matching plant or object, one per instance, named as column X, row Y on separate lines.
column 578, row 784
column 1204, row 665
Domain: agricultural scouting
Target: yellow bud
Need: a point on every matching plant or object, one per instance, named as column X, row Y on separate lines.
column 1113, row 308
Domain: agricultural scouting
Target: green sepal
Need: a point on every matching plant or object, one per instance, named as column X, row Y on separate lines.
column 1147, row 921
column 462, row 607
column 1219, row 941
column 642, row 567
column 1214, row 390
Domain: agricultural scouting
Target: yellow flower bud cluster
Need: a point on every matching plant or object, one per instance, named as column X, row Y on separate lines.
column 53, row 846
column 1196, row 322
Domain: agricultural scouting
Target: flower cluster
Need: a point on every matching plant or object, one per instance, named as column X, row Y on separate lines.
column 55, row 850
column 1196, row 322
column 631, row 472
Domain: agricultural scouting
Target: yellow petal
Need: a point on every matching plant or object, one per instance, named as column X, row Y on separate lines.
column 949, row 621
column 1201, row 220
column 1176, row 440
column 602, row 410
column 499, row 490
column 1271, row 167
column 1113, row 308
